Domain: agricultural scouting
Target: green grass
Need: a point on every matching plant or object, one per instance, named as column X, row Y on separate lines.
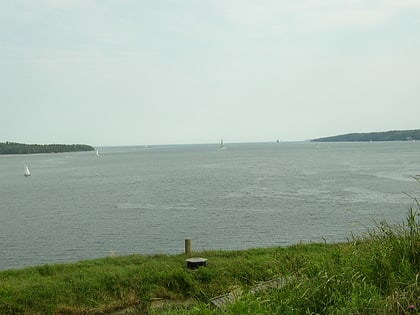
column 377, row 273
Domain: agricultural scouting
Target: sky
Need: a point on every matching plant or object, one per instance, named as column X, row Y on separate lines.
column 137, row 72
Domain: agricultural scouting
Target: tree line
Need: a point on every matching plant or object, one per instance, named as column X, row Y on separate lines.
column 21, row 148
column 394, row 135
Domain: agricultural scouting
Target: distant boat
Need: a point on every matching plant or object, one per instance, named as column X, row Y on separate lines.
column 222, row 146
column 27, row 171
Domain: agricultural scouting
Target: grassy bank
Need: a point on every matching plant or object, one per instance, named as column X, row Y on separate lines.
column 374, row 274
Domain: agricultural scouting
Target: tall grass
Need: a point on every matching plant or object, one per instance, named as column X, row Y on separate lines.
column 377, row 273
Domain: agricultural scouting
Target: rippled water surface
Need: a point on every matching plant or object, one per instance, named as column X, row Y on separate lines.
column 148, row 200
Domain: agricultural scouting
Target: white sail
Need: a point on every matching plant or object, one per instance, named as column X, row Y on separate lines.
column 222, row 146
column 97, row 152
column 27, row 171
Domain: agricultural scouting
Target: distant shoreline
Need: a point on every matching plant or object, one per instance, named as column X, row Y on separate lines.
column 22, row 148
column 393, row 135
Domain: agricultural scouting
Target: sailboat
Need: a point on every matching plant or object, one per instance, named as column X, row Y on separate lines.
column 222, row 146
column 27, row 171
column 97, row 152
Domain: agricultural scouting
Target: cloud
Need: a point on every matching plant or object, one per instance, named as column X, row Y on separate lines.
column 144, row 60
column 128, row 24
column 67, row 29
column 313, row 14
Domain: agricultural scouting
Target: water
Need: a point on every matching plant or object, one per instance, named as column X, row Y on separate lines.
column 148, row 200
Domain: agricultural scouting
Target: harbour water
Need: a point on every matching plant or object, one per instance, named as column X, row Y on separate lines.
column 147, row 200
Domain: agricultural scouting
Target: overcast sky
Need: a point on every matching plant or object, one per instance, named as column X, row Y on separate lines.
column 134, row 72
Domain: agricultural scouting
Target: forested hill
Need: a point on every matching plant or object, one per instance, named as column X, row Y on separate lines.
column 21, row 148
column 394, row 135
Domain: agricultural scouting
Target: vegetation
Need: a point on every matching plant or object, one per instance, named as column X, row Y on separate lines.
column 394, row 135
column 20, row 148
column 377, row 273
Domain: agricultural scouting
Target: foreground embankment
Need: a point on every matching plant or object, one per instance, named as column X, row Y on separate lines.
column 374, row 274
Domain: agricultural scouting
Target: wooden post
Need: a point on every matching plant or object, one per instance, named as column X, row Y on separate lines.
column 188, row 246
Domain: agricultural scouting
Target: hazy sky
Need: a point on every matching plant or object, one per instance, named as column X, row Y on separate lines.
column 128, row 72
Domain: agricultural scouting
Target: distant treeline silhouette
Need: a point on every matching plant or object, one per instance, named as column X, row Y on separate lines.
column 21, row 148
column 394, row 135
